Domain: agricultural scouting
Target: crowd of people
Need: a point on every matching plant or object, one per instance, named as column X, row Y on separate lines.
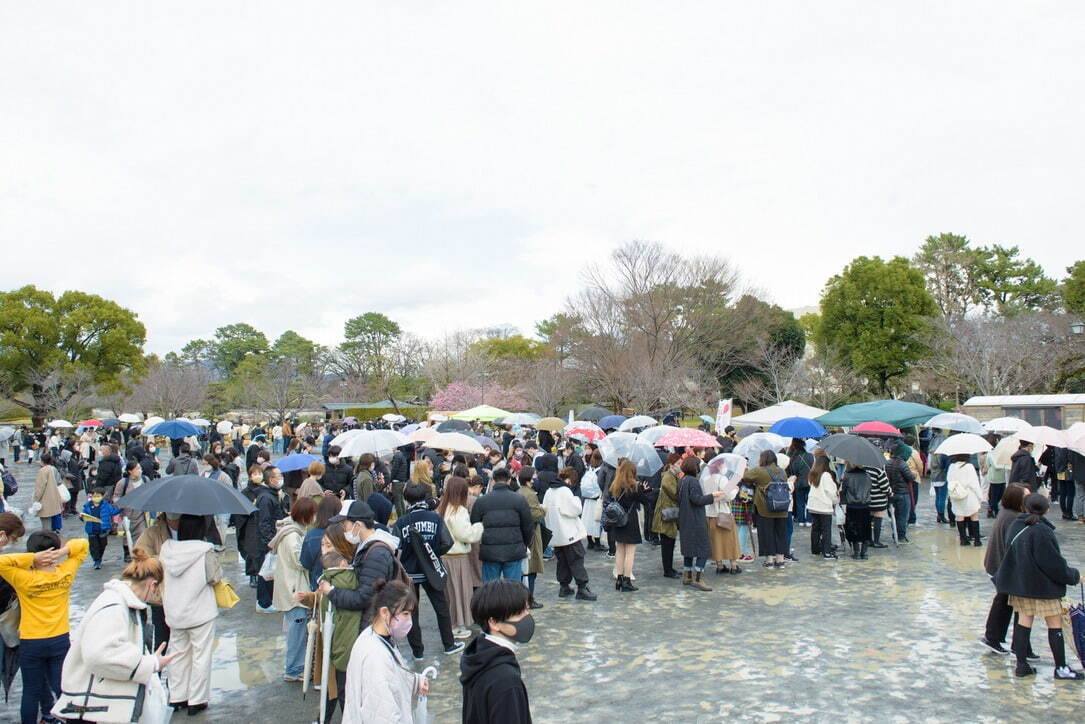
column 359, row 540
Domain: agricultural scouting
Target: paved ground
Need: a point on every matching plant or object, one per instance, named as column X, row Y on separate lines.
column 890, row 639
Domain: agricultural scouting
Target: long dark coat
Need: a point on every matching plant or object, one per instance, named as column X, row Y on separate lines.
column 692, row 523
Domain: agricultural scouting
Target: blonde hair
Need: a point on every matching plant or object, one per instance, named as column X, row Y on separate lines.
column 423, row 472
column 316, row 469
column 142, row 567
column 625, row 479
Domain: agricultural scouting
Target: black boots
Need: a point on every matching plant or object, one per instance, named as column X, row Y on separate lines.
column 1020, row 647
column 565, row 591
column 855, row 551
column 962, row 531
column 974, row 532
column 583, row 593
column 942, row 518
column 878, row 534
column 862, row 551
column 625, row 583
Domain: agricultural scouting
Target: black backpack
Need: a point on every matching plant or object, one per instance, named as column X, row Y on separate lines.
column 11, row 485
column 614, row 515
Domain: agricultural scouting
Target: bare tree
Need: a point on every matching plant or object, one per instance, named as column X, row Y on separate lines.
column 546, row 385
column 280, row 388
column 171, row 389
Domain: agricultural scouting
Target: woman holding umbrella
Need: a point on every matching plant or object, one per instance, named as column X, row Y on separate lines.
column 966, row 494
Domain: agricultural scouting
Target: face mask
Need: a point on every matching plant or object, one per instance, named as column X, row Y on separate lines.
column 97, row 500
column 333, row 460
column 448, row 458
column 351, row 536
column 151, row 448
column 400, row 627
column 525, row 629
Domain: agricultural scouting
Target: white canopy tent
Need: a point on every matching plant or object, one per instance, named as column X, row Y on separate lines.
column 770, row 415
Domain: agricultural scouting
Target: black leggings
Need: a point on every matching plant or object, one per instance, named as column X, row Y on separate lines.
column 666, row 548
column 821, row 533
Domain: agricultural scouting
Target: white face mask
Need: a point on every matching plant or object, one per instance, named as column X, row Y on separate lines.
column 333, row 460
column 351, row 536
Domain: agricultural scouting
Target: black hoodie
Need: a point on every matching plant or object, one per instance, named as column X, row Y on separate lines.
column 493, row 692
column 1023, row 469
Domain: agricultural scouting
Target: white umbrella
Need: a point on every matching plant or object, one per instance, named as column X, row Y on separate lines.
column 964, row 443
column 200, row 422
column 637, row 421
column 438, row 417
column 768, row 416
column 1045, row 435
column 60, row 423
column 518, row 418
column 1076, row 430
column 393, row 417
column 955, row 421
column 152, row 421
column 1006, row 425
column 374, row 442
column 224, row 426
column 342, row 437
column 422, row 434
column 129, row 417
column 6, row 433
column 751, row 446
column 1077, row 444
column 1007, row 446
column 652, row 434
column 454, row 441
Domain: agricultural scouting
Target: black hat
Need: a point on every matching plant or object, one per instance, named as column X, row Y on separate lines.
column 359, row 511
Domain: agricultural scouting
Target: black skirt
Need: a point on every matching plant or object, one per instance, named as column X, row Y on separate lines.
column 857, row 525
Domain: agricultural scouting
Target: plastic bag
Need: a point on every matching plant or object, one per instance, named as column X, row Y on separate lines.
column 156, row 703
column 267, row 568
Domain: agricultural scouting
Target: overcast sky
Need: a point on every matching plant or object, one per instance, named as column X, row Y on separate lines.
column 295, row 164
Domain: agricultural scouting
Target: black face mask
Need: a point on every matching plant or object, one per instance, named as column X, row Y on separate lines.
column 525, row 629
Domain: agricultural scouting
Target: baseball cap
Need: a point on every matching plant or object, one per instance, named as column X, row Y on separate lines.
column 358, row 510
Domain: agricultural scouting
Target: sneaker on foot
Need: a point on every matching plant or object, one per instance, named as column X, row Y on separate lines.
column 268, row 609
column 461, row 633
column 1065, row 673
column 291, row 679
column 455, row 648
column 994, row 646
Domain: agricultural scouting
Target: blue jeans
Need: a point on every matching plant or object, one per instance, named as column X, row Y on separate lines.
column 801, row 496
column 790, row 531
column 296, row 635
column 745, row 546
column 690, row 563
column 902, row 508
column 40, row 660
column 941, row 492
column 492, row 571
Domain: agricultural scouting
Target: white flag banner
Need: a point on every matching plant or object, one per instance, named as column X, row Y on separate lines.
column 723, row 415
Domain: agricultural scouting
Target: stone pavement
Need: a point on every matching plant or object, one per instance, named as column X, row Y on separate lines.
column 889, row 639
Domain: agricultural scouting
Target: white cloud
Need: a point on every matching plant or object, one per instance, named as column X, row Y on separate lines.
column 294, row 165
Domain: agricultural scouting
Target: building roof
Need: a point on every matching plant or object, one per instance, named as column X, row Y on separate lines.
column 1024, row 400
column 383, row 404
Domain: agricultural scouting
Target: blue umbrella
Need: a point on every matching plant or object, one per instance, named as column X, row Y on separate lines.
column 296, row 461
column 709, row 419
column 173, row 429
column 487, row 442
column 801, row 427
column 611, row 422
column 110, row 422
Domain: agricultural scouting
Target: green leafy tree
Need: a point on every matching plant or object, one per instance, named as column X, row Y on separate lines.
column 513, row 348
column 234, row 343
column 304, row 353
column 559, row 332
column 1010, row 284
column 365, row 351
column 950, row 267
column 872, row 317
column 198, row 351
column 1073, row 289
column 55, row 348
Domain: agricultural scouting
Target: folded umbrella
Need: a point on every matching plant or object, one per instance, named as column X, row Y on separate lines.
column 188, row 494
column 1077, row 625
column 963, row 443
column 854, row 449
column 296, row 461
column 801, row 427
column 9, row 667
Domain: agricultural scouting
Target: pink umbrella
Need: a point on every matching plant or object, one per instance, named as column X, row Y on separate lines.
column 90, row 423
column 876, row 429
column 585, row 430
column 687, row 437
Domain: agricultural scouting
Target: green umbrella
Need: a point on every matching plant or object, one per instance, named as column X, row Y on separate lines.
column 895, row 412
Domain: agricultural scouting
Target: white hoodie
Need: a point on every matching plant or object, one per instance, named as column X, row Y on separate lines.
column 563, row 511
column 191, row 568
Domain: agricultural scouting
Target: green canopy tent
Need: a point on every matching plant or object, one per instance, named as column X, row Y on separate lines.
column 895, row 412
column 485, row 413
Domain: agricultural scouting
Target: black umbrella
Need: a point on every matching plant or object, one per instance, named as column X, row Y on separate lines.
column 454, row 426
column 854, row 449
column 191, row 494
column 746, row 431
column 9, row 666
column 593, row 414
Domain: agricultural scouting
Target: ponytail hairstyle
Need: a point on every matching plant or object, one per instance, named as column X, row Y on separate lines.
column 393, row 595
column 1036, row 506
column 142, row 567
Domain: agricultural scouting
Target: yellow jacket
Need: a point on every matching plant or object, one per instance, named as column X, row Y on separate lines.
column 43, row 595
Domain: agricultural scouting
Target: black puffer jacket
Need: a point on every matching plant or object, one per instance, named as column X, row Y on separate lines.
column 507, row 525
column 401, row 467
column 900, row 476
column 256, row 530
column 1033, row 566
column 373, row 562
column 109, row 471
column 1023, row 469
column 338, row 478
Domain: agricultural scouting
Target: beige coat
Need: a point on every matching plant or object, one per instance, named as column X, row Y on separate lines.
column 45, row 492
column 290, row 576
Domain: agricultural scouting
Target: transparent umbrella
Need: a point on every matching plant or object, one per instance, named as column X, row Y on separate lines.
column 751, row 446
column 618, row 445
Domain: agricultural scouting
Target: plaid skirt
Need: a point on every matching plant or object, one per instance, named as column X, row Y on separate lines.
column 1043, row 607
column 742, row 511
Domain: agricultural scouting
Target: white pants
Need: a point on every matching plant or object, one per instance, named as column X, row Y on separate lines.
column 190, row 673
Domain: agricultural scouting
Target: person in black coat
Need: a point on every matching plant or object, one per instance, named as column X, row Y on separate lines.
column 400, row 474
column 693, row 524
column 1034, row 576
column 629, row 493
column 109, row 470
column 493, row 690
column 255, row 531
column 338, row 477
column 374, row 560
column 507, row 529
column 1023, row 468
